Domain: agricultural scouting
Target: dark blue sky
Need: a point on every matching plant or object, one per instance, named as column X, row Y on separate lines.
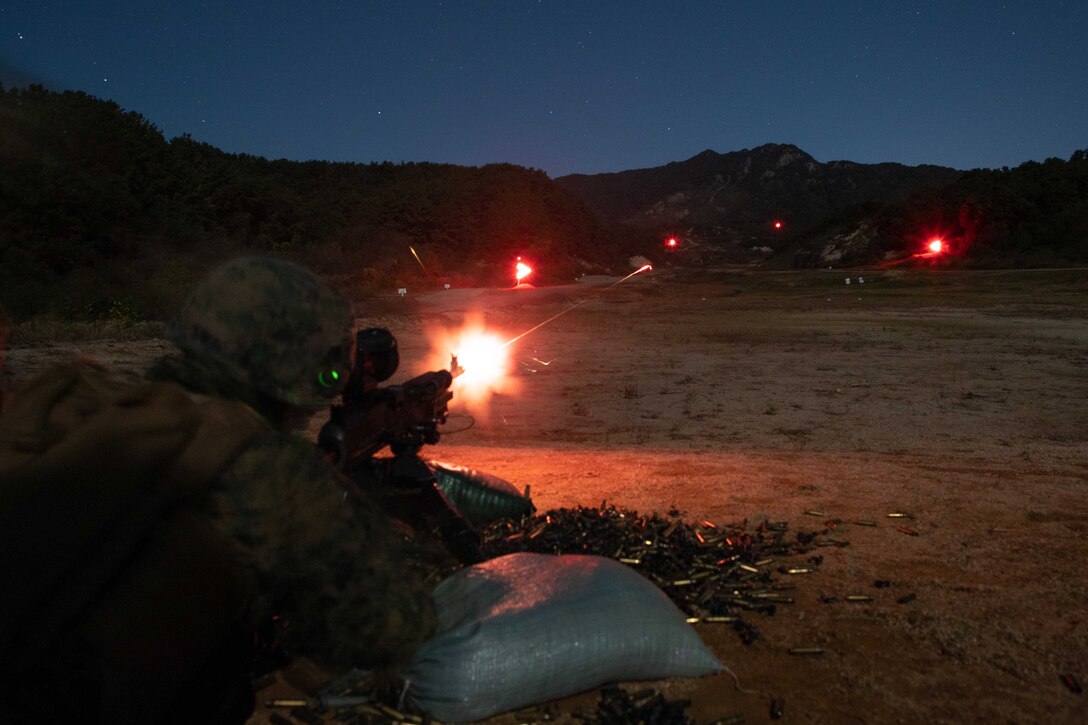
column 576, row 86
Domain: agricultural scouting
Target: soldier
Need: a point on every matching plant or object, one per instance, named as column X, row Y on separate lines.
column 151, row 526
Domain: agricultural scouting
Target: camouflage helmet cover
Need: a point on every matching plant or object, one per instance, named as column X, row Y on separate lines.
column 274, row 326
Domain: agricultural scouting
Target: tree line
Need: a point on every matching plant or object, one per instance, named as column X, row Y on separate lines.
column 1033, row 215
column 99, row 209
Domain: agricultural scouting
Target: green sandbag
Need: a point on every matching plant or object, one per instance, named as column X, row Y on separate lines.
column 480, row 497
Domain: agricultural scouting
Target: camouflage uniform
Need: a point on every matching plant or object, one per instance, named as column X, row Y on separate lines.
column 282, row 534
column 330, row 565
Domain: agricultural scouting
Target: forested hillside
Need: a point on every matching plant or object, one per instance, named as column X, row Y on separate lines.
column 100, row 214
column 103, row 217
column 1034, row 215
column 723, row 207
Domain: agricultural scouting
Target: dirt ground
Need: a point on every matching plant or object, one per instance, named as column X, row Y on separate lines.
column 956, row 397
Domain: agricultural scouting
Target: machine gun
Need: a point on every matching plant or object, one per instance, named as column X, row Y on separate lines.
column 404, row 417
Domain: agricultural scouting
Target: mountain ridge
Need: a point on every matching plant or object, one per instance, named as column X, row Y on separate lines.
column 742, row 190
column 776, row 205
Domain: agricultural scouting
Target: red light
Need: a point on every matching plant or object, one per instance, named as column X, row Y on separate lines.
column 778, row 225
column 521, row 271
column 935, row 246
column 671, row 242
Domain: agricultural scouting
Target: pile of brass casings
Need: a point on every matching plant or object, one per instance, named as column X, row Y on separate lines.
column 713, row 573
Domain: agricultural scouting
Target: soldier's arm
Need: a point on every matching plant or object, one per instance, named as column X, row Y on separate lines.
column 346, row 583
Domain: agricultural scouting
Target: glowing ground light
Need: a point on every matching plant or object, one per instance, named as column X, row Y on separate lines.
column 521, row 271
column 934, row 248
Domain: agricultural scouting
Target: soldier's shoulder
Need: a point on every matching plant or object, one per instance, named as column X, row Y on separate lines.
column 271, row 456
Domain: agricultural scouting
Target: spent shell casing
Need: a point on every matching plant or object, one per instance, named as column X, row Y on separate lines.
column 815, row 513
column 779, row 599
column 906, row 598
column 900, row 515
column 287, row 702
column 708, row 593
column 719, row 620
column 683, row 582
column 865, row 523
column 630, row 561
column 763, row 562
column 693, row 620
column 806, row 650
column 799, row 570
column 749, row 568
column 906, row 530
column 369, row 711
column 858, row 598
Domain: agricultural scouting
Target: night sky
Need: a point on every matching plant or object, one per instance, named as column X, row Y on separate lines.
column 578, row 86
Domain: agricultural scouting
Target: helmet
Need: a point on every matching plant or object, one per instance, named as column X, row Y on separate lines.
column 271, row 326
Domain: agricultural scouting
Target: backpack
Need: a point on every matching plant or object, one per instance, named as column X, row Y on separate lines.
column 106, row 548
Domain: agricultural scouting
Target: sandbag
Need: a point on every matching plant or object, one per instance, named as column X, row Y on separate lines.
column 480, row 497
column 526, row 628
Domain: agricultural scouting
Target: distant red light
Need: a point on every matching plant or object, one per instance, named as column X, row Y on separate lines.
column 521, row 271
column 671, row 242
column 935, row 246
column 778, row 225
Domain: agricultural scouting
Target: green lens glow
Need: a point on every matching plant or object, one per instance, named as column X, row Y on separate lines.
column 332, row 375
